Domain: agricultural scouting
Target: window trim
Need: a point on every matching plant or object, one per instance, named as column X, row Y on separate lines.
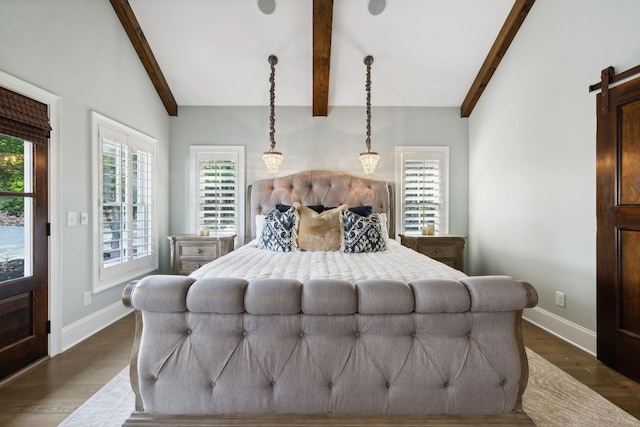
column 440, row 152
column 105, row 278
column 225, row 151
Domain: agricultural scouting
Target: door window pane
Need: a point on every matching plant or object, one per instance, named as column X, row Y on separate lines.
column 12, row 171
column 15, row 239
column 16, row 204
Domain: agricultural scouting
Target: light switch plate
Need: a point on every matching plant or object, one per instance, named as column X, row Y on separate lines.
column 72, row 218
column 84, row 218
column 560, row 299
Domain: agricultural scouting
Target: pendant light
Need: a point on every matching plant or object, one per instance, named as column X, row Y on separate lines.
column 369, row 159
column 272, row 158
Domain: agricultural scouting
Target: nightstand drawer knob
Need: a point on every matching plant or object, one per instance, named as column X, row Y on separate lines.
column 198, row 250
column 197, row 266
column 438, row 250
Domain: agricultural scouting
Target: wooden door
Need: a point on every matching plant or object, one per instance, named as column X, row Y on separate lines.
column 23, row 253
column 618, row 221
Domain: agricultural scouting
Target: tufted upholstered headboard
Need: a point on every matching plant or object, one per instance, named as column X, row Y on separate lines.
column 319, row 187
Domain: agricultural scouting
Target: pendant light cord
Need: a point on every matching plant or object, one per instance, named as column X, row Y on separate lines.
column 368, row 60
column 273, row 60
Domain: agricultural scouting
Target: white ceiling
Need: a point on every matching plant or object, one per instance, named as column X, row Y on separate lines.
column 426, row 52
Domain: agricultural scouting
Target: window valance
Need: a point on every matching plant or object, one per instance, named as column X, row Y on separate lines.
column 23, row 117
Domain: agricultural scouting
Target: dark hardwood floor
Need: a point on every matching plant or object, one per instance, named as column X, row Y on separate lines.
column 585, row 368
column 48, row 392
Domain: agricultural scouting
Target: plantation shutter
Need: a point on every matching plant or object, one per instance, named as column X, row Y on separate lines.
column 23, row 117
column 127, row 223
column 114, row 197
column 423, row 194
column 124, row 186
column 422, row 181
column 218, row 192
column 143, row 228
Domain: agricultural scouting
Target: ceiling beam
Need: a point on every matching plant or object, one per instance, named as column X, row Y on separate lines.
column 322, row 25
column 138, row 40
column 506, row 35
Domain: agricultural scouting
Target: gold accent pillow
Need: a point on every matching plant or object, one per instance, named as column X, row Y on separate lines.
column 319, row 231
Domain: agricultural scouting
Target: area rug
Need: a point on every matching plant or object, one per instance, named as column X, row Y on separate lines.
column 553, row 398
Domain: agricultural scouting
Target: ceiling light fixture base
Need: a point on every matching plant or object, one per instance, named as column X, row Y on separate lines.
column 269, row 6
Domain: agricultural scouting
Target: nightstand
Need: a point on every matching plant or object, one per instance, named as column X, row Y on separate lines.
column 446, row 248
column 190, row 252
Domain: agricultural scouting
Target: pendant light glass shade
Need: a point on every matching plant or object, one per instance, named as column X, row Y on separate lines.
column 272, row 158
column 369, row 159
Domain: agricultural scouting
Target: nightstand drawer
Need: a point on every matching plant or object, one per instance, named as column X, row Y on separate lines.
column 192, row 265
column 190, row 252
column 435, row 251
column 446, row 248
column 188, row 249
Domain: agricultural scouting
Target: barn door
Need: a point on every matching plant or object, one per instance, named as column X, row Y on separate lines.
column 618, row 220
column 24, row 129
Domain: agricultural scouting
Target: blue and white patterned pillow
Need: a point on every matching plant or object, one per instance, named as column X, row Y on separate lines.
column 280, row 231
column 362, row 233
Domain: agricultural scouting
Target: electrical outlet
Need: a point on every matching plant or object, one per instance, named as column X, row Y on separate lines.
column 560, row 301
column 87, row 298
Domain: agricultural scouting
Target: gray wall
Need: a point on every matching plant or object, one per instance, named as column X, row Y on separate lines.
column 523, row 165
column 333, row 142
column 532, row 159
column 79, row 51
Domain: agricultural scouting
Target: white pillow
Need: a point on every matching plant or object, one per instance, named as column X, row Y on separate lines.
column 259, row 224
column 383, row 225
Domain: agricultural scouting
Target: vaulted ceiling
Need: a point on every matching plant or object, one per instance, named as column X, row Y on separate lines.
column 438, row 53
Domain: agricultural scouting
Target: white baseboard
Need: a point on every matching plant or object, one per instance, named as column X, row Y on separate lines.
column 567, row 331
column 87, row 326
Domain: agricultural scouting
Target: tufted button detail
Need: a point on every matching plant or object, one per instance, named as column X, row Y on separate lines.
column 301, row 334
column 330, row 385
column 388, row 385
column 446, row 384
column 502, row 381
column 273, row 383
column 213, row 384
column 188, row 331
column 357, row 334
column 244, row 333
column 468, row 334
column 413, row 334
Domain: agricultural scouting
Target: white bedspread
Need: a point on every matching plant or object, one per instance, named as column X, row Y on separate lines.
column 397, row 262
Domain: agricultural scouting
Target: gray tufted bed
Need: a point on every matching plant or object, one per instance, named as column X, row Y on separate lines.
column 303, row 336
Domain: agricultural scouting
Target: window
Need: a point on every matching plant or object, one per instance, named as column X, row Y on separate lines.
column 124, row 187
column 422, row 175
column 217, row 189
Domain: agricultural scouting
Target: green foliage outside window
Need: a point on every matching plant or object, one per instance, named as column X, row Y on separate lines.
column 11, row 174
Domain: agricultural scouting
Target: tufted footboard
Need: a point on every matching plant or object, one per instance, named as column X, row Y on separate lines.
column 226, row 346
